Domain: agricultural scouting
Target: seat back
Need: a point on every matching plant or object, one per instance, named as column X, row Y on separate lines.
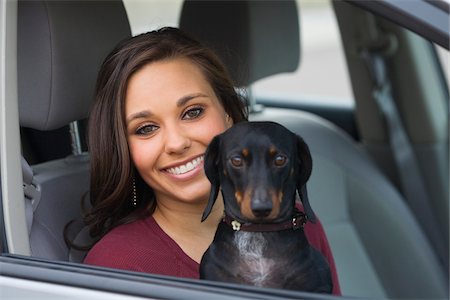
column 61, row 45
column 373, row 235
column 254, row 39
column 378, row 247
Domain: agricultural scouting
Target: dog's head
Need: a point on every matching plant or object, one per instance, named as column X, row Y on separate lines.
column 259, row 166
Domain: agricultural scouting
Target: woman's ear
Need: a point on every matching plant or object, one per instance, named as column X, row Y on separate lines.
column 212, row 165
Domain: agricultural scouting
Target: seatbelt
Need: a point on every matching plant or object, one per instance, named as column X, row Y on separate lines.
column 412, row 185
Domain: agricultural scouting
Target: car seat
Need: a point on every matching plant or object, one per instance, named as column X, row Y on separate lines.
column 379, row 249
column 61, row 45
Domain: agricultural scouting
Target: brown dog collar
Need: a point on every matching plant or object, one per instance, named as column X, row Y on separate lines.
column 297, row 221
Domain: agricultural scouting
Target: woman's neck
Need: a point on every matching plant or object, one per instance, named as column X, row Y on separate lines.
column 182, row 222
column 188, row 215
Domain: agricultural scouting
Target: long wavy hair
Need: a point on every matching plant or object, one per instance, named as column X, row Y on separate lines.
column 112, row 171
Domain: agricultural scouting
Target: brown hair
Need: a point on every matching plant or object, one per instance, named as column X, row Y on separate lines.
column 112, row 171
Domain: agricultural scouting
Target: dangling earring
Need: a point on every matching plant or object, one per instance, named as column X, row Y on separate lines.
column 134, row 200
column 228, row 119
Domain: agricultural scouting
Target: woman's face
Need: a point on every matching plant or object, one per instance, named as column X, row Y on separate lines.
column 172, row 114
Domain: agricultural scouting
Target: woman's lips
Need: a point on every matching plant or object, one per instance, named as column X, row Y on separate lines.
column 187, row 167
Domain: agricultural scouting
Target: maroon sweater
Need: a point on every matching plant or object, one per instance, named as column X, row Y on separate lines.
column 144, row 247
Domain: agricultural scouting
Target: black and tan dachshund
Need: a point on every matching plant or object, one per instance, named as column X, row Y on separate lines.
column 259, row 167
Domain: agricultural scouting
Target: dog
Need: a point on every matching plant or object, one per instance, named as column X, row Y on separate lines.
column 259, row 167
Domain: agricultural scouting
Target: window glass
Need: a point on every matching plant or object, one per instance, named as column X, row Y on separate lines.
column 146, row 15
column 322, row 74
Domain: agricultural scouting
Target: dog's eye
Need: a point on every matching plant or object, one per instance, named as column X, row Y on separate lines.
column 280, row 160
column 236, row 161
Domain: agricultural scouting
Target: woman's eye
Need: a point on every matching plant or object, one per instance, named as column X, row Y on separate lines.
column 193, row 113
column 146, row 129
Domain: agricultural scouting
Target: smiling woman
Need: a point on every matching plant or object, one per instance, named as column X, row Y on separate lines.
column 149, row 88
column 182, row 115
column 114, row 122
column 161, row 98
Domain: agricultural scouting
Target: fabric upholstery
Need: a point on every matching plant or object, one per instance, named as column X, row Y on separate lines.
column 59, row 57
column 373, row 234
column 255, row 39
column 64, row 184
column 58, row 60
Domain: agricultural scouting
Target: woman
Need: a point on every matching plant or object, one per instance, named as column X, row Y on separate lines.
column 161, row 98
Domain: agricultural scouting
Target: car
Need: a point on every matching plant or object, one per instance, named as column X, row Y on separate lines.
column 369, row 95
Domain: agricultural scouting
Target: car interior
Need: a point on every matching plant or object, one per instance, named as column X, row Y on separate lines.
column 63, row 97
column 381, row 247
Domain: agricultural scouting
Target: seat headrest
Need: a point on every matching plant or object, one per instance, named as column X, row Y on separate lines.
column 61, row 45
column 254, row 39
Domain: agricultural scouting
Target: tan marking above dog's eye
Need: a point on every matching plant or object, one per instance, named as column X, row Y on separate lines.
column 280, row 160
column 272, row 150
column 236, row 161
column 245, row 152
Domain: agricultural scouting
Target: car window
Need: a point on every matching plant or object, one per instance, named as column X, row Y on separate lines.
column 146, row 15
column 320, row 45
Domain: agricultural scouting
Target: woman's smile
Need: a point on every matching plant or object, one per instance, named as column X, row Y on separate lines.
column 185, row 170
column 172, row 115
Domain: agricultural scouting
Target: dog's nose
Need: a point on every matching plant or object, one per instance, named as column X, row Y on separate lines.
column 261, row 213
column 261, row 209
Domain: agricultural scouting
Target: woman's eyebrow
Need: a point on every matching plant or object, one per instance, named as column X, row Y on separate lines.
column 138, row 115
column 180, row 102
column 183, row 100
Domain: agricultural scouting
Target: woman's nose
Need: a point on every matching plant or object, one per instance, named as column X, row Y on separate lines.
column 176, row 141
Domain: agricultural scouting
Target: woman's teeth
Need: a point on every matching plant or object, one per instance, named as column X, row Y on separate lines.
column 187, row 167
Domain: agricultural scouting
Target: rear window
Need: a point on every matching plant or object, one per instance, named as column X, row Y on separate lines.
column 320, row 46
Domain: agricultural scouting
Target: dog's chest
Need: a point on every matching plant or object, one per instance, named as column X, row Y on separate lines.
column 255, row 265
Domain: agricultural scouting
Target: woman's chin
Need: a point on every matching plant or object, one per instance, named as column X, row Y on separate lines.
column 192, row 192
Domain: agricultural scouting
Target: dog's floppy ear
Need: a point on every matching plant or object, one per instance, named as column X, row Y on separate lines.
column 212, row 169
column 304, row 165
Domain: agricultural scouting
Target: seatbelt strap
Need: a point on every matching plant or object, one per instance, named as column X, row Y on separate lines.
column 412, row 185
